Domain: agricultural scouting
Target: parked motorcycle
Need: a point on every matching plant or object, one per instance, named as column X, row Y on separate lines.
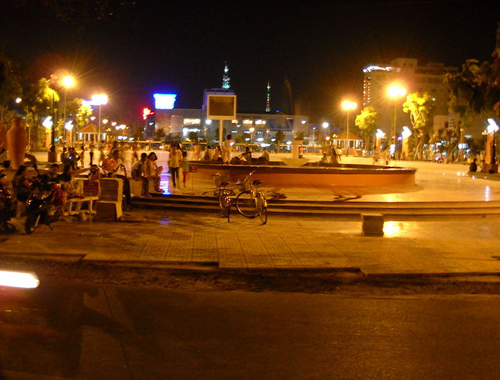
column 7, row 209
column 44, row 205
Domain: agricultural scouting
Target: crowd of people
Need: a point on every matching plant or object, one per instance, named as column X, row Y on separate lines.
column 224, row 154
column 116, row 160
column 120, row 160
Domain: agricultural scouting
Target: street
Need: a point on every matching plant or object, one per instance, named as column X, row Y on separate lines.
column 88, row 332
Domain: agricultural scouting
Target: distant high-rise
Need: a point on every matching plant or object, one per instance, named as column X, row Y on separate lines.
column 268, row 97
column 414, row 78
column 225, row 78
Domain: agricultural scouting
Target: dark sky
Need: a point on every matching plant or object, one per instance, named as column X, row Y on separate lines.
column 313, row 53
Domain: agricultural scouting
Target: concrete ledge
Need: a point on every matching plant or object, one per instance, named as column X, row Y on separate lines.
column 373, row 224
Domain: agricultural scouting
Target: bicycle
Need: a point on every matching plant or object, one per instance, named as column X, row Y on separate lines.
column 223, row 195
column 251, row 202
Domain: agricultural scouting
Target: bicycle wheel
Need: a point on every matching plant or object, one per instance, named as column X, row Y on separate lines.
column 262, row 207
column 246, row 204
column 225, row 203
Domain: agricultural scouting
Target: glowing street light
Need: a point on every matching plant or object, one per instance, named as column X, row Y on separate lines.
column 252, row 129
column 406, row 133
column 348, row 106
column 491, row 130
column 99, row 100
column 395, row 91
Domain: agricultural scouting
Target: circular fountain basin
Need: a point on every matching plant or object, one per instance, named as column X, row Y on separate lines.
column 279, row 175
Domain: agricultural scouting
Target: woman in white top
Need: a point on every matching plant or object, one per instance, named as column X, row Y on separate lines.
column 174, row 163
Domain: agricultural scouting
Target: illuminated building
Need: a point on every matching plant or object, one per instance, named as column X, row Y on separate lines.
column 414, row 78
column 268, row 97
column 225, row 78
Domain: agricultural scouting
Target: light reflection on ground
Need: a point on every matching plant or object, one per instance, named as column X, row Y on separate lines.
column 395, row 229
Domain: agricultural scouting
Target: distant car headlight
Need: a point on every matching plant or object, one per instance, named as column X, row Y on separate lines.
column 27, row 280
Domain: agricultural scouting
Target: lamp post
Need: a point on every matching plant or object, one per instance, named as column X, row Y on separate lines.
column 406, row 148
column 347, row 106
column 67, row 82
column 252, row 129
column 379, row 136
column 99, row 100
column 492, row 128
column 395, row 91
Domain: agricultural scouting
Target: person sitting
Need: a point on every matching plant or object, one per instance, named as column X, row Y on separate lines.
column 30, row 160
column 217, row 155
column 265, row 156
column 247, row 156
column 473, row 166
column 22, row 188
column 208, row 154
column 324, row 159
column 139, row 173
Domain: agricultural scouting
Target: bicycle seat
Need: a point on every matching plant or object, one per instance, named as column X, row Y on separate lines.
column 224, row 184
column 257, row 182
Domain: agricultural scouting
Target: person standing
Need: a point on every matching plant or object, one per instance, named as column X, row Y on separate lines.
column 82, row 155
column 153, row 171
column 91, row 152
column 226, row 150
column 117, row 168
column 174, row 163
column 185, row 168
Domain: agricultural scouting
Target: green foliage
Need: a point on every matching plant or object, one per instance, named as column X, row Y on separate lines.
column 10, row 88
column 299, row 136
column 280, row 135
column 420, row 107
column 475, row 90
column 193, row 136
column 367, row 121
column 78, row 112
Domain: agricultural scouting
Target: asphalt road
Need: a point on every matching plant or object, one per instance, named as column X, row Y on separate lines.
column 90, row 332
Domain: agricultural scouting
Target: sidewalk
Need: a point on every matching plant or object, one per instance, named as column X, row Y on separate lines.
column 151, row 237
column 461, row 246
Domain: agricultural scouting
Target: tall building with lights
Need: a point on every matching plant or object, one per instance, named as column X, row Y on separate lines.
column 268, row 97
column 226, row 85
column 413, row 78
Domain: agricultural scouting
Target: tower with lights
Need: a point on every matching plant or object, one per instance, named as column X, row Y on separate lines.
column 268, row 97
column 225, row 78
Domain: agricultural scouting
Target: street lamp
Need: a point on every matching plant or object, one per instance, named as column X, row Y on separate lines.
column 395, row 91
column 67, row 82
column 379, row 136
column 492, row 128
column 99, row 100
column 347, row 106
column 406, row 133
column 252, row 129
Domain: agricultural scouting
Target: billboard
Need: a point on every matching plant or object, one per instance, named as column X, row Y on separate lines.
column 164, row 101
column 221, row 107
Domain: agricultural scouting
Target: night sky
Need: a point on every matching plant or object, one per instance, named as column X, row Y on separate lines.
column 312, row 54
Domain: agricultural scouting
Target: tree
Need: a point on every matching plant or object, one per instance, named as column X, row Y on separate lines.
column 367, row 122
column 420, row 107
column 280, row 136
column 475, row 90
column 193, row 136
column 79, row 112
column 299, row 136
column 10, row 87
